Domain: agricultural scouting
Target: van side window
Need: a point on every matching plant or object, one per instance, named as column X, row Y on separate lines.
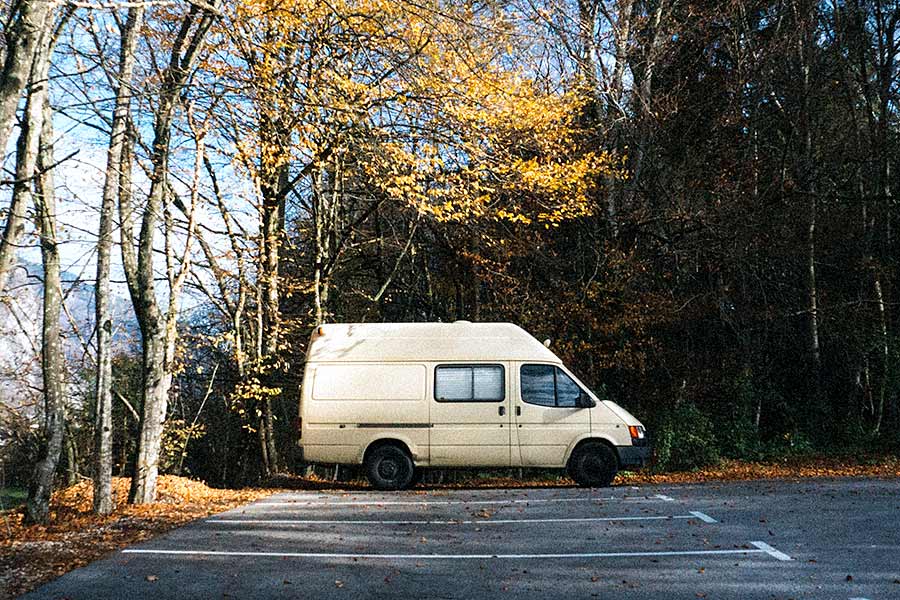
column 469, row 383
column 538, row 385
column 546, row 385
column 567, row 391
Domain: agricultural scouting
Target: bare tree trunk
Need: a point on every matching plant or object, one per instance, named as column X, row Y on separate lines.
column 25, row 40
column 157, row 334
column 72, row 470
column 272, row 231
column 271, row 313
column 812, row 291
column 103, row 502
column 14, row 228
column 156, row 381
column 805, row 14
column 52, row 361
column 885, row 355
column 645, row 96
column 31, row 21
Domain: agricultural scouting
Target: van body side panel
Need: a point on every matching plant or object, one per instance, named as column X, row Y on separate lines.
column 350, row 405
column 470, row 433
column 607, row 424
column 546, row 433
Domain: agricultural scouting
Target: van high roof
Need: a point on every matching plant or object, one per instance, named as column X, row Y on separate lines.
column 440, row 342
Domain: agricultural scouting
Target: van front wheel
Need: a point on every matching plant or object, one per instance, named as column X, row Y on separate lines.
column 593, row 465
column 389, row 468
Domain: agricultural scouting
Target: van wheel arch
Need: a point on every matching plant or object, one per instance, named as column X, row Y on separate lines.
column 594, row 440
column 389, row 465
column 385, row 442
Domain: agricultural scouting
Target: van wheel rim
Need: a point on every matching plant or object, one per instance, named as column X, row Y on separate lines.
column 388, row 469
column 594, row 467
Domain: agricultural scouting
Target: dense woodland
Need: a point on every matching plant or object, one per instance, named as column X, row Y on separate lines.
column 693, row 199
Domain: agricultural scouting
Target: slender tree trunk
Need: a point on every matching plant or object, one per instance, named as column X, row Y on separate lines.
column 323, row 208
column 27, row 39
column 14, row 227
column 72, row 470
column 156, row 381
column 31, row 21
column 157, row 334
column 272, row 232
column 885, row 355
column 52, row 361
column 806, row 15
column 812, row 292
column 103, row 502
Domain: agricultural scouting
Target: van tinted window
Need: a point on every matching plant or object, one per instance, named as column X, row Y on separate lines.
column 546, row 385
column 469, row 383
column 567, row 391
column 537, row 385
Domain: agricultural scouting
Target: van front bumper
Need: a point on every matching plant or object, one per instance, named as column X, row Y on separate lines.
column 634, row 456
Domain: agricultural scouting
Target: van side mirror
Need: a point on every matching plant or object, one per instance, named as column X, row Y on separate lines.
column 585, row 401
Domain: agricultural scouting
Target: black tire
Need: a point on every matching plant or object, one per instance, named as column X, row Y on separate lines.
column 593, row 465
column 389, row 468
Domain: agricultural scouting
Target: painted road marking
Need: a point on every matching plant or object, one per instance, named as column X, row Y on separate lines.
column 329, row 555
column 464, row 502
column 703, row 516
column 664, row 498
column 453, row 521
column 771, row 551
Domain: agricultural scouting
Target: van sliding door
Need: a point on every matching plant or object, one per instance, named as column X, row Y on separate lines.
column 470, row 415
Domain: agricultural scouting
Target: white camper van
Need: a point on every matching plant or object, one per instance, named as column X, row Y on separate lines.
column 397, row 397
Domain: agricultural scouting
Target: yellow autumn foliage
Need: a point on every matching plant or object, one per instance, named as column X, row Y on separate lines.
column 420, row 102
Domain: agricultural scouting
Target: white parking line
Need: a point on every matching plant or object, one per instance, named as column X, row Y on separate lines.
column 465, row 502
column 446, row 556
column 664, row 498
column 771, row 551
column 452, row 521
column 703, row 516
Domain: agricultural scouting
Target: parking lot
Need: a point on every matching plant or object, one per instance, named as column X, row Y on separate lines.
column 811, row 539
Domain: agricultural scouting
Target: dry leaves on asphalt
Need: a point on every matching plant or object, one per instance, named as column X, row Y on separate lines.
column 74, row 536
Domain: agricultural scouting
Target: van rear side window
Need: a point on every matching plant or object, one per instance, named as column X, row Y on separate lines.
column 469, row 383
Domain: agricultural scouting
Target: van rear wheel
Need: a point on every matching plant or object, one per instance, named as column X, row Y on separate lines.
column 593, row 465
column 389, row 468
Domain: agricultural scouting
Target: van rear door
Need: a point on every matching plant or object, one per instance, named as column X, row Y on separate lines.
column 470, row 415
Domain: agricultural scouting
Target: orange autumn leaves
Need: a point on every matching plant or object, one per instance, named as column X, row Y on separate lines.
column 75, row 536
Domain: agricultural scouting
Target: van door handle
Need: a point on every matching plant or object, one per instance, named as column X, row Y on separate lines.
column 502, row 410
column 518, row 411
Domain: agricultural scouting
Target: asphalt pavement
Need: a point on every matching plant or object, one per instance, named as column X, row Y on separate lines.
column 774, row 539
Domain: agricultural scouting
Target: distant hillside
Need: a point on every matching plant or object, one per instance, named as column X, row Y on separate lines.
column 20, row 330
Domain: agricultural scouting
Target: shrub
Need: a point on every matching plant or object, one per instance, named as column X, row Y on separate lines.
column 685, row 440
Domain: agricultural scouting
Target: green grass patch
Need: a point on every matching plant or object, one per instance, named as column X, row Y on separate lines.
column 11, row 497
